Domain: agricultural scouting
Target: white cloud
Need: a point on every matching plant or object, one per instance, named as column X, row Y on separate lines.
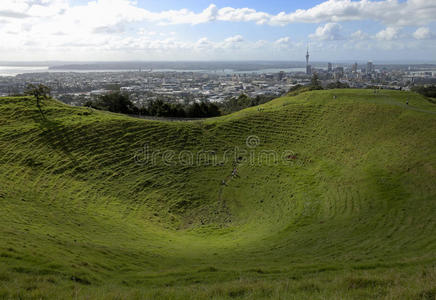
column 55, row 29
column 283, row 41
column 242, row 15
column 360, row 35
column 143, row 31
column 260, row 44
column 388, row 34
column 328, row 32
column 19, row 9
column 234, row 39
column 234, row 42
column 423, row 33
column 389, row 12
column 203, row 43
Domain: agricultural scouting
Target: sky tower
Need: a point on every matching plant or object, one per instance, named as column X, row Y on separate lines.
column 308, row 67
column 307, row 56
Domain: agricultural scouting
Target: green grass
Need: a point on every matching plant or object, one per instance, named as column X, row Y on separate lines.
column 350, row 216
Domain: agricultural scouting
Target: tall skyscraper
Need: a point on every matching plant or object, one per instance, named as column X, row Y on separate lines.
column 369, row 67
column 329, row 67
column 354, row 68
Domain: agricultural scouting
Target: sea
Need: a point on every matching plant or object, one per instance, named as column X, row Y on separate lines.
column 16, row 70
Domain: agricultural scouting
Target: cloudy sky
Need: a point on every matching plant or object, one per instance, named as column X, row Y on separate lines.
column 337, row 30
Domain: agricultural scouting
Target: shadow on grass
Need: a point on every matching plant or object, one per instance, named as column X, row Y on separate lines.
column 55, row 135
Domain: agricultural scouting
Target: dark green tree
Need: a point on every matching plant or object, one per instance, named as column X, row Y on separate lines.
column 115, row 102
column 39, row 91
column 315, row 83
column 338, row 85
column 194, row 111
column 428, row 91
column 214, row 110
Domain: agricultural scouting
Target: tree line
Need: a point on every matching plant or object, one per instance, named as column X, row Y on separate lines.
column 243, row 101
column 427, row 91
column 118, row 102
column 315, row 84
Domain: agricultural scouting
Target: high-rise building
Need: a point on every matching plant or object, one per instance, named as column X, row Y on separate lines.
column 329, row 67
column 354, row 68
column 369, row 67
column 338, row 72
column 308, row 67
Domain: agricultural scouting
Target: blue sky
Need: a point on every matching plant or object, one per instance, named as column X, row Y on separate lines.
column 272, row 6
column 251, row 31
column 218, row 30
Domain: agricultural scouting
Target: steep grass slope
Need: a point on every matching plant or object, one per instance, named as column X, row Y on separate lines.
column 330, row 198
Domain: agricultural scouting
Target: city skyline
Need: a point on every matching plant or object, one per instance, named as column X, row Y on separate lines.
column 124, row 30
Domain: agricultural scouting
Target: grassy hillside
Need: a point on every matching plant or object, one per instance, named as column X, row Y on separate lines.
column 331, row 198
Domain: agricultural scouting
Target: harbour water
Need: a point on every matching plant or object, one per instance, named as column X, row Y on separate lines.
column 16, row 70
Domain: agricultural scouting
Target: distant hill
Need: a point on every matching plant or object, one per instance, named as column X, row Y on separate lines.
column 325, row 195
